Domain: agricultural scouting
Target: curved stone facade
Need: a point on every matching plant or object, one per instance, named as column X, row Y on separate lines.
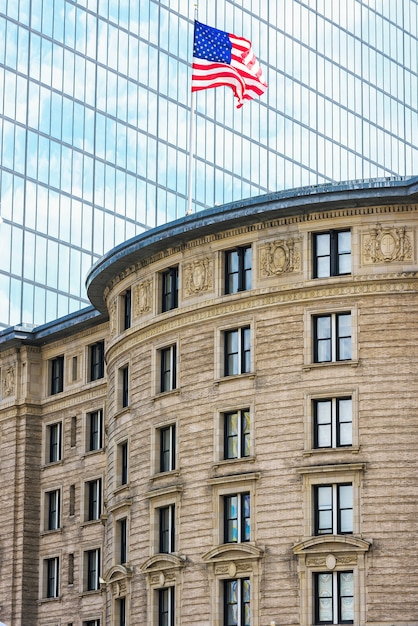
column 259, row 417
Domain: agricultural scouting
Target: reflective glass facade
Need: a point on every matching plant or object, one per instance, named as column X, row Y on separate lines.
column 95, row 113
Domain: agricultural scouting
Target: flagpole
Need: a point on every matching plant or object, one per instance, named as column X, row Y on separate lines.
column 191, row 143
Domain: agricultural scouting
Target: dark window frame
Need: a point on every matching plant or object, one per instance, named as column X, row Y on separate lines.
column 167, row 436
column 169, row 289
column 334, row 425
column 95, row 430
column 56, row 375
column 237, row 358
column 166, row 606
column 336, row 593
column 124, row 382
column 127, row 309
column 124, row 462
column 92, row 565
column 241, row 437
column 334, row 341
column 168, row 368
column 167, row 529
column 335, row 255
column 52, row 577
column 335, row 510
column 96, row 361
column 53, row 518
column 237, row 608
column 54, row 435
column 123, row 540
column 238, row 269
column 94, row 500
column 240, row 523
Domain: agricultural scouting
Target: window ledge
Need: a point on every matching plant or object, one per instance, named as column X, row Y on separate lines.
column 329, row 451
column 234, row 478
column 91, row 522
column 230, row 462
column 170, row 392
column 122, row 411
column 46, row 600
column 323, row 469
column 92, row 453
column 46, row 533
column 52, row 464
column 121, row 488
column 310, row 366
column 161, row 475
column 91, row 592
column 250, row 375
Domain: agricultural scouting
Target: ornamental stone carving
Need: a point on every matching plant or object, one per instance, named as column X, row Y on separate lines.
column 198, row 277
column 142, row 299
column 279, row 257
column 8, row 382
column 386, row 245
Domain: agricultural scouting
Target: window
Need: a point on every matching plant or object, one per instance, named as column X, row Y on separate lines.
column 332, row 337
column 332, row 422
column 94, row 498
column 168, row 368
column 127, row 309
column 238, row 270
column 168, row 448
column 237, row 351
column 96, row 359
column 237, row 434
column 124, row 386
column 120, row 612
column 53, row 435
column 237, row 602
column 167, row 528
column 169, row 282
column 74, row 368
column 57, row 375
column 166, row 607
column 92, row 622
column 51, row 578
column 71, row 568
column 52, row 509
column 121, row 530
column 122, row 463
column 334, row 598
column 333, row 509
column 92, row 570
column 94, row 431
column 332, row 253
column 237, row 525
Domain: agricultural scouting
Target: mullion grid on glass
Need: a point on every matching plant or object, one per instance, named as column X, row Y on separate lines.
column 127, row 309
column 332, row 422
column 168, row 364
column 93, row 569
column 95, row 442
column 334, row 598
column 166, row 607
column 170, row 289
column 52, row 575
column 332, row 337
column 237, row 351
column 94, row 499
column 333, row 509
column 237, row 602
column 238, row 270
column 55, row 442
column 123, row 546
column 57, row 375
column 237, row 434
column 97, row 361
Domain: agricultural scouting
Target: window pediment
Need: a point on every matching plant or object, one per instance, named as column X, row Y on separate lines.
column 162, row 561
column 232, row 552
column 331, row 543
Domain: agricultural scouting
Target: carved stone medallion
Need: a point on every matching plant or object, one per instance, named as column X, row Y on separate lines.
column 8, row 382
column 142, row 299
column 386, row 245
column 198, row 277
column 279, row 257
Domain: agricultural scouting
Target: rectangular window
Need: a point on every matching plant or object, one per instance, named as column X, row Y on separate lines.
column 52, row 509
column 334, row 598
column 168, row 448
column 92, row 570
column 332, row 337
column 166, row 607
column 94, row 431
column 122, row 463
column 92, row 622
column 169, row 284
column 333, row 421
column 237, row 351
column 124, row 386
column 54, row 442
column 51, row 578
column 127, row 309
column 122, row 537
column 333, row 509
column 237, row 602
column 120, row 612
column 168, row 368
column 332, row 253
column 238, row 270
column 167, row 528
column 94, row 499
column 237, row 434
column 74, row 369
column 57, row 375
column 237, row 524
column 96, row 360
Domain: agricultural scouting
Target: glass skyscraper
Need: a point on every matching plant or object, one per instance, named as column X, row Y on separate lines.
column 95, row 115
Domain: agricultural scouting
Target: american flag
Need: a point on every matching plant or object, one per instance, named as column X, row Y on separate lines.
column 220, row 58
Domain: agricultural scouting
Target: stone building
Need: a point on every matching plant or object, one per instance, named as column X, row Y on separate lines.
column 229, row 435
